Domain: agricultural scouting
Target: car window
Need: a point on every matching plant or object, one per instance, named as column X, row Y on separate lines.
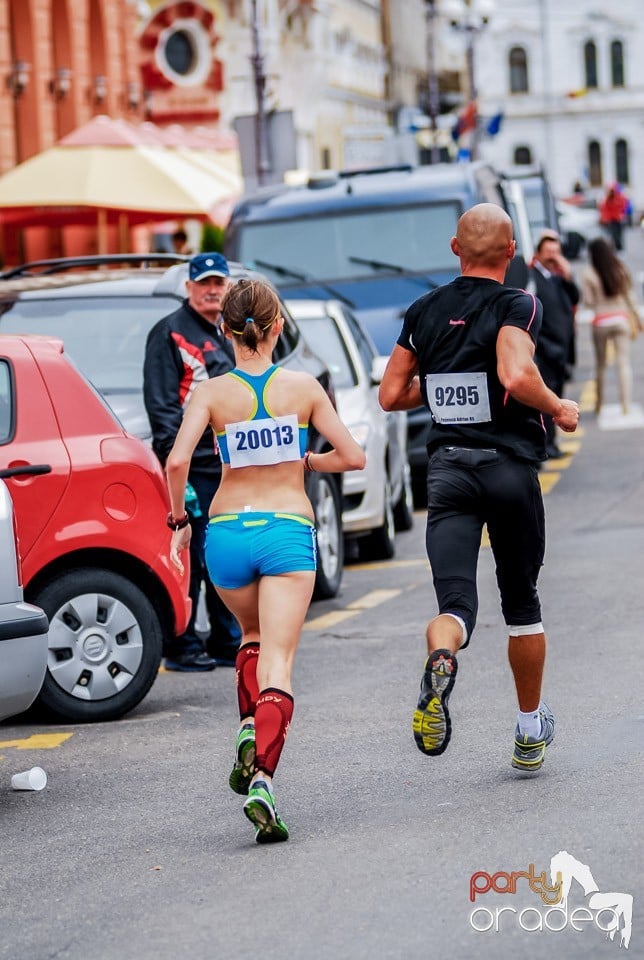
column 6, row 405
column 104, row 336
column 288, row 340
column 324, row 339
column 322, row 245
column 365, row 346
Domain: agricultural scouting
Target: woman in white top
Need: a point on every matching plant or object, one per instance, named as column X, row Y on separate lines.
column 260, row 542
column 607, row 290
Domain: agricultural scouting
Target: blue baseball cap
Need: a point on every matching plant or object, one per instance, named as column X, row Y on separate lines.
column 208, row 265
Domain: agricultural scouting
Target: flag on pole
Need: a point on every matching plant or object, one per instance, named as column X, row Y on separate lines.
column 465, row 121
column 494, row 124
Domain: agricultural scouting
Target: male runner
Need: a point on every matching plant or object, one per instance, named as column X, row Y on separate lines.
column 466, row 351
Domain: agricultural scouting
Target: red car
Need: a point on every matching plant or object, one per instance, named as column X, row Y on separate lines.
column 92, row 534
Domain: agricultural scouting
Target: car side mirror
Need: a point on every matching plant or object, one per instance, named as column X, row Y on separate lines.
column 378, row 369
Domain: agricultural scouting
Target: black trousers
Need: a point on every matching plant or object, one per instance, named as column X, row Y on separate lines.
column 467, row 488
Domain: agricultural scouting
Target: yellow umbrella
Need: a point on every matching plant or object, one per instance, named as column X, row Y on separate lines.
column 151, row 182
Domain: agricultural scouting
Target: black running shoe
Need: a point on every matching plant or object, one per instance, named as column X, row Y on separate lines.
column 431, row 723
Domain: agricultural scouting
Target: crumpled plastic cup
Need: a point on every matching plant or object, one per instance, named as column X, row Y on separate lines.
column 34, row 779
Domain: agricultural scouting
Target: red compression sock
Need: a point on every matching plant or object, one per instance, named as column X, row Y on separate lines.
column 273, row 714
column 246, row 676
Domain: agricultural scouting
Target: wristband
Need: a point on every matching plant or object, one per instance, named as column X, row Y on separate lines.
column 307, row 462
column 179, row 524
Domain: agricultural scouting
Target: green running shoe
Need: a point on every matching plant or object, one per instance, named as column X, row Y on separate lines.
column 244, row 769
column 431, row 723
column 530, row 752
column 260, row 810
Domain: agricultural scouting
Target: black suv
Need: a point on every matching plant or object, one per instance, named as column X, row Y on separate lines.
column 102, row 309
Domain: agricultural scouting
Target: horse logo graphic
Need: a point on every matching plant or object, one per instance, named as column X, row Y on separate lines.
column 619, row 904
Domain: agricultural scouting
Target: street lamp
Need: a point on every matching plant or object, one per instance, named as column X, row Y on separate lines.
column 261, row 132
column 433, row 99
column 469, row 17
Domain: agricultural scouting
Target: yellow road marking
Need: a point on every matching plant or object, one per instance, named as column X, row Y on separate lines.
column 370, row 600
column 38, row 741
column 588, row 397
column 389, row 564
column 329, row 619
column 548, row 480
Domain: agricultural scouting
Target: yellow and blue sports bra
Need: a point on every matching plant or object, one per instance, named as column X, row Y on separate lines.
column 263, row 439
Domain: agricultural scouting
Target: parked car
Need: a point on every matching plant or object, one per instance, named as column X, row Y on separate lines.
column 90, row 503
column 378, row 500
column 23, row 627
column 103, row 308
column 578, row 225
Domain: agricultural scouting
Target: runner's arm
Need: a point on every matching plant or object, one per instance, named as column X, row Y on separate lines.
column 347, row 454
column 520, row 376
column 400, row 385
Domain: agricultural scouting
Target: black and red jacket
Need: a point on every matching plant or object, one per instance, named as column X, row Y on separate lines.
column 181, row 350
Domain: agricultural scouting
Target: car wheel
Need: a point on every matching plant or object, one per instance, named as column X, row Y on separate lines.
column 380, row 544
column 105, row 643
column 325, row 498
column 404, row 509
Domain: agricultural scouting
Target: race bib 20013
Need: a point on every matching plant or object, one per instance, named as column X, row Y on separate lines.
column 254, row 443
column 458, row 397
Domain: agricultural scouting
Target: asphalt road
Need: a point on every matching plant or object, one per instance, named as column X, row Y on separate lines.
column 138, row 849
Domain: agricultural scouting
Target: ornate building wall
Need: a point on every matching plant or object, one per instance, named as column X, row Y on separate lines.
column 62, row 62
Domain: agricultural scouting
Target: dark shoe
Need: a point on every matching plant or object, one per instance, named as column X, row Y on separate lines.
column 224, row 654
column 190, row 661
column 431, row 721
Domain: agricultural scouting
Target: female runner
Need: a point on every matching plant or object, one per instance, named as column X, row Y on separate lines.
column 260, row 541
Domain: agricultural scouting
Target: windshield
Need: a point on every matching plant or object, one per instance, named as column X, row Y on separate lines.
column 324, row 339
column 104, row 337
column 336, row 245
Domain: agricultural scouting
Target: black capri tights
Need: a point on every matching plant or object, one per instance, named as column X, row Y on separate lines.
column 467, row 488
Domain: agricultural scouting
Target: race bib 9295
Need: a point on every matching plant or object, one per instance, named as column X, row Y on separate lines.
column 458, row 397
column 253, row 443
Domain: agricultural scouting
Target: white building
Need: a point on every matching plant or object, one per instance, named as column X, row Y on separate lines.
column 568, row 76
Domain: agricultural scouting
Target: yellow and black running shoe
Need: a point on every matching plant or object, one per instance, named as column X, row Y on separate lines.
column 431, row 723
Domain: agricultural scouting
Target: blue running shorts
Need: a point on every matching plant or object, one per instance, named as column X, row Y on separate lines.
column 240, row 547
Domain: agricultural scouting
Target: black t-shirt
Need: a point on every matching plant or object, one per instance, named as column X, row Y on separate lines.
column 453, row 332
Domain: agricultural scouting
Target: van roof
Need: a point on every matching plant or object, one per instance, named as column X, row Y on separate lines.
column 334, row 191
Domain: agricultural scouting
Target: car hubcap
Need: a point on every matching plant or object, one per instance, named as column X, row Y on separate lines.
column 328, row 534
column 95, row 646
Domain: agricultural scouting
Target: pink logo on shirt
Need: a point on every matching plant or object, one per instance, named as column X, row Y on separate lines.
column 457, row 323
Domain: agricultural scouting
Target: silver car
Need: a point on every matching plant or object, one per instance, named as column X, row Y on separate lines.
column 23, row 627
column 377, row 501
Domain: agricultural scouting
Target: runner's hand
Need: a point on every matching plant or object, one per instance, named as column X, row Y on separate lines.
column 568, row 416
column 180, row 541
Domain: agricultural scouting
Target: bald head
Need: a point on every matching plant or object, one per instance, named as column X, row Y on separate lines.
column 483, row 240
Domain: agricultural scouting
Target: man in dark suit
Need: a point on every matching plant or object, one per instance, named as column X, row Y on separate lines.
column 552, row 282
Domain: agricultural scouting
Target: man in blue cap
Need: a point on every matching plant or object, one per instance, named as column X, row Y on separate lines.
column 182, row 349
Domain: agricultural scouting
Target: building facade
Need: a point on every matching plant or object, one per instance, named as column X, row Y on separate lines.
column 63, row 61
column 569, row 79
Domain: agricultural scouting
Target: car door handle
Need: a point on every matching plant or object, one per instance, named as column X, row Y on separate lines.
column 25, row 469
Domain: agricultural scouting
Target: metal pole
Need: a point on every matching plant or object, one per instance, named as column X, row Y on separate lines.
column 433, row 99
column 257, row 60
